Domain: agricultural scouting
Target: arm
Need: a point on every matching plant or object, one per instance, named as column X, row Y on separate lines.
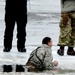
column 48, row 60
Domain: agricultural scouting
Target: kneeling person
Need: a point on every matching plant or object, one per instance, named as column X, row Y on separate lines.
column 41, row 58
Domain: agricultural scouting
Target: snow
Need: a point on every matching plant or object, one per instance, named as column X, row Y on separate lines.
column 43, row 20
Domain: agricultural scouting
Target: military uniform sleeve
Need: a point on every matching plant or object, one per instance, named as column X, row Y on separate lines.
column 48, row 60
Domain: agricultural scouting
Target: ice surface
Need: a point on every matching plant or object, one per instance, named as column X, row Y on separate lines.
column 43, row 20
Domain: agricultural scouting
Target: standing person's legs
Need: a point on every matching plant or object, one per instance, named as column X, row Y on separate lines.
column 72, row 37
column 9, row 27
column 21, row 34
column 65, row 32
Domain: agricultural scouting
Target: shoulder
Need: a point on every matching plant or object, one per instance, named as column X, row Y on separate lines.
column 46, row 48
column 43, row 48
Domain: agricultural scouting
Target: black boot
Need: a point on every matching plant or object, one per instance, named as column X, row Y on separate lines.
column 61, row 51
column 71, row 51
column 6, row 50
column 22, row 50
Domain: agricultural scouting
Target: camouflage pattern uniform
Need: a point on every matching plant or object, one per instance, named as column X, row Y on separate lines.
column 42, row 58
column 67, row 24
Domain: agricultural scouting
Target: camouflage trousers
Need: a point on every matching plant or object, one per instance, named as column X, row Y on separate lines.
column 67, row 29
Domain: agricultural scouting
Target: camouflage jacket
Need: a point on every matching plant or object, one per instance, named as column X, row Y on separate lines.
column 67, row 5
column 42, row 57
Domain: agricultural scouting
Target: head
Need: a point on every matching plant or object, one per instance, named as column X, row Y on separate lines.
column 47, row 41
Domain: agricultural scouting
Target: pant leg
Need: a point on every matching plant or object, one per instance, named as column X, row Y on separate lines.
column 65, row 32
column 21, row 32
column 21, row 19
column 8, row 35
column 72, row 37
column 32, row 67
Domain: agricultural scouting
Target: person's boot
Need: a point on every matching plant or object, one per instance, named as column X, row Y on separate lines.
column 22, row 50
column 61, row 51
column 71, row 51
column 6, row 50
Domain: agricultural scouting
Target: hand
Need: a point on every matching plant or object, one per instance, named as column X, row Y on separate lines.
column 55, row 63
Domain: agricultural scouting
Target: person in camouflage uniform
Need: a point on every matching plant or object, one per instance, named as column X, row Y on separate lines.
column 67, row 27
column 41, row 58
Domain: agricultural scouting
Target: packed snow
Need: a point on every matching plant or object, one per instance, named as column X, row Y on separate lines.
column 43, row 20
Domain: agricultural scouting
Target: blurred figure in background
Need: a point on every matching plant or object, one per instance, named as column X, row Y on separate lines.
column 67, row 27
column 15, row 12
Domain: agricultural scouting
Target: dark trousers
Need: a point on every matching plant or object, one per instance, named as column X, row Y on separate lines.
column 19, row 17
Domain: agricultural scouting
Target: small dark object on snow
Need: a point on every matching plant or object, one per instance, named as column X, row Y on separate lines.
column 7, row 68
column 19, row 68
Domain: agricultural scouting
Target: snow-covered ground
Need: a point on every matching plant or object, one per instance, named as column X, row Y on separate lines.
column 43, row 20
